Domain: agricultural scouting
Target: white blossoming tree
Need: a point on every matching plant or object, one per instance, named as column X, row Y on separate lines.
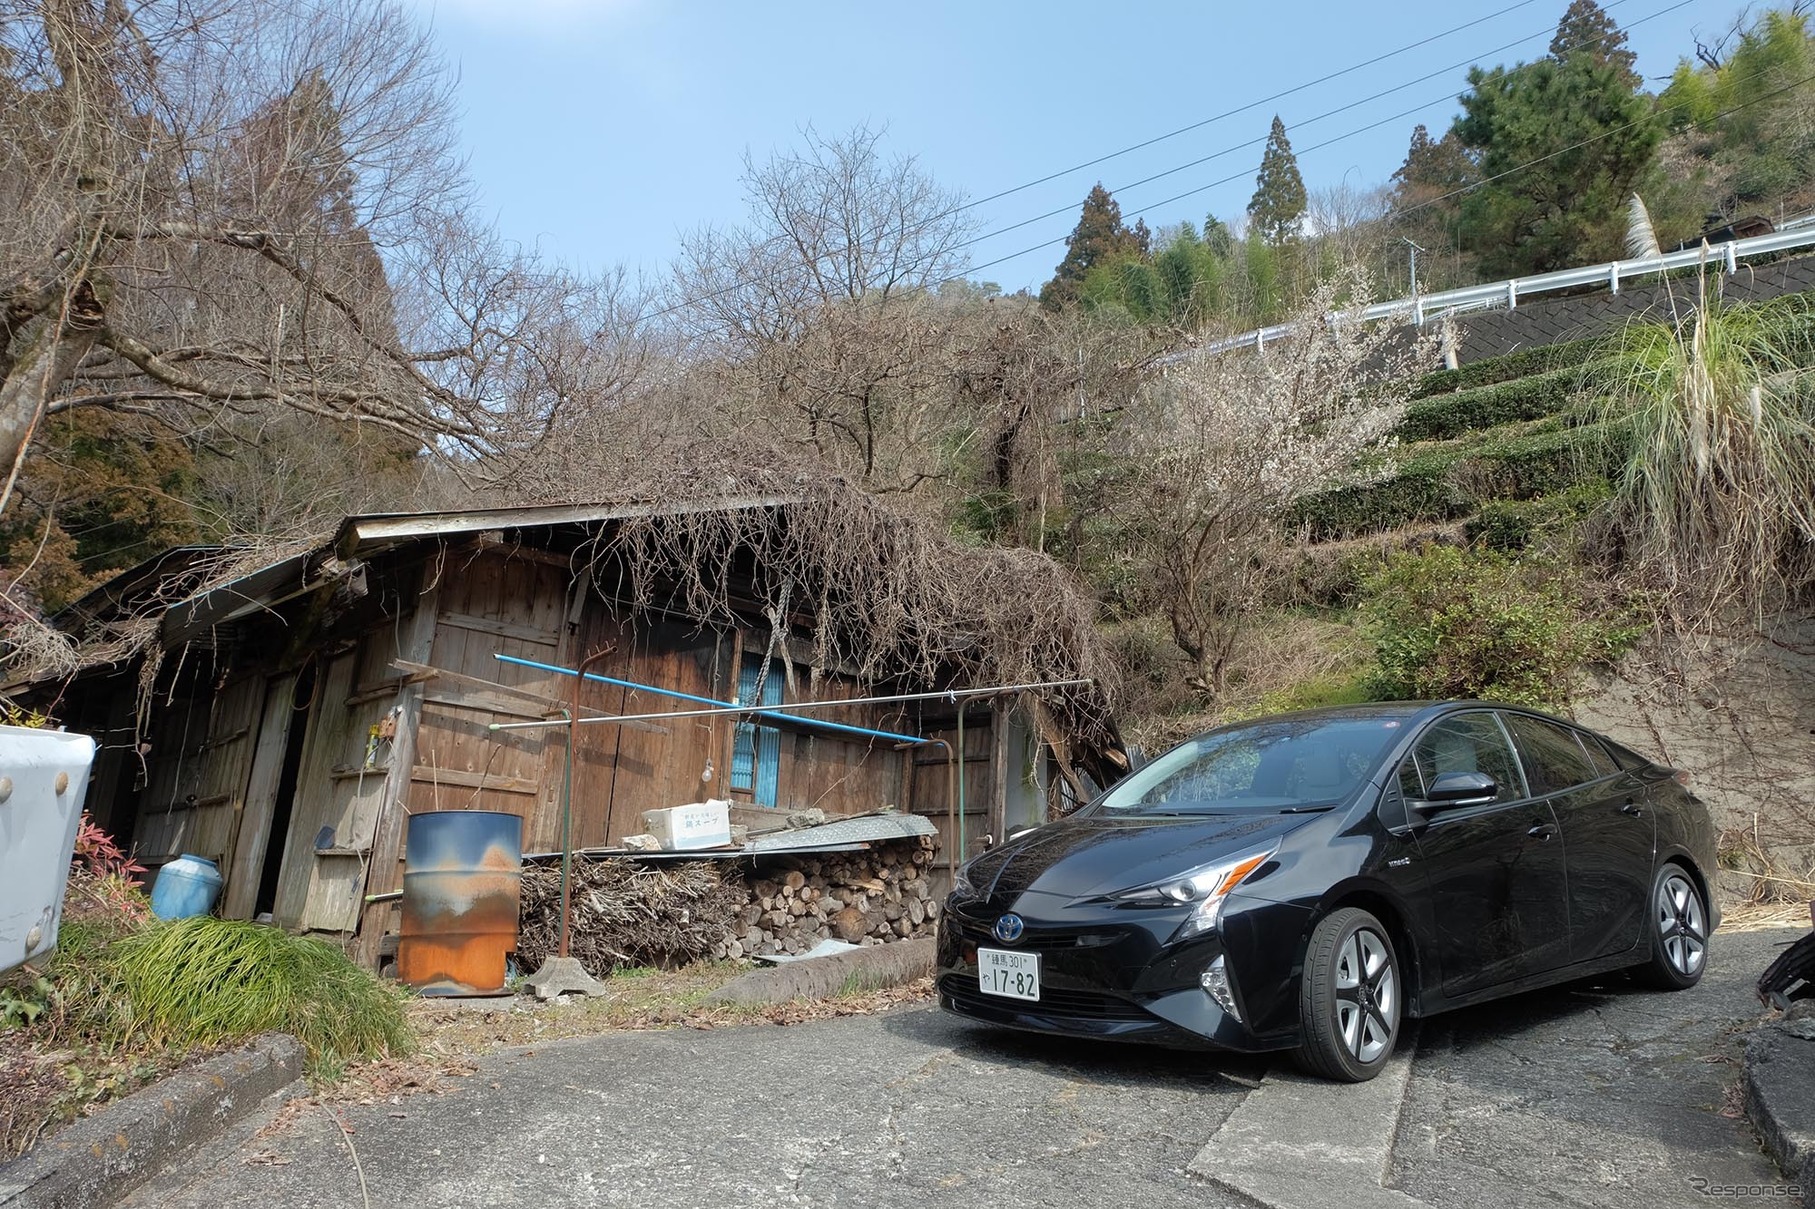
column 1223, row 445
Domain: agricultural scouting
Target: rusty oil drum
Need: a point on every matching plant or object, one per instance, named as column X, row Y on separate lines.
column 460, row 881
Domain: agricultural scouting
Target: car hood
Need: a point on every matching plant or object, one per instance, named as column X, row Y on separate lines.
column 1081, row 857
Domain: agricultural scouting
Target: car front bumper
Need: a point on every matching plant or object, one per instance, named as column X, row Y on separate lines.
column 1108, row 974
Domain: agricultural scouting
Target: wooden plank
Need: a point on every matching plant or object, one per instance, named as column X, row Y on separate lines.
column 472, row 780
column 346, row 772
column 474, row 682
column 501, row 629
column 387, row 688
column 338, row 890
column 215, row 741
column 472, row 699
column 387, row 840
column 328, row 728
column 223, row 771
column 260, row 806
column 510, row 552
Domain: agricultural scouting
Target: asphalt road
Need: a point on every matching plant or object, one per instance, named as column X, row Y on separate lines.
column 1582, row 1096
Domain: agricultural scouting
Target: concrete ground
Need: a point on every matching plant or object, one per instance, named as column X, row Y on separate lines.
column 1581, row 1096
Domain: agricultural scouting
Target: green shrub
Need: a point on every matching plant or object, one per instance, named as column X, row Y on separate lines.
column 1712, row 505
column 1512, row 525
column 1453, row 622
column 1415, row 493
column 1441, row 417
column 1452, row 481
column 1521, row 364
column 1333, row 688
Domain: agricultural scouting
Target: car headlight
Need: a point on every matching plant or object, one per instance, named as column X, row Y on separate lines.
column 1208, row 886
column 961, row 882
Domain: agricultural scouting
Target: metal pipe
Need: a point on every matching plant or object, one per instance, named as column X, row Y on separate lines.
column 782, row 712
column 573, row 718
column 958, row 763
column 951, row 779
column 719, row 707
column 566, row 838
column 948, row 694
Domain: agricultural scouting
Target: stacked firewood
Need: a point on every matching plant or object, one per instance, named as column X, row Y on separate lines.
column 628, row 912
column 881, row 894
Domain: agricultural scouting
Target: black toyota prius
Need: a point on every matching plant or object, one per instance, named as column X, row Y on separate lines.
column 1309, row 881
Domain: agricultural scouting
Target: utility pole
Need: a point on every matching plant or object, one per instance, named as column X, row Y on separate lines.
column 1417, row 311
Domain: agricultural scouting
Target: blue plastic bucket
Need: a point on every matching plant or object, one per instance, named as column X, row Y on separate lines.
column 186, row 886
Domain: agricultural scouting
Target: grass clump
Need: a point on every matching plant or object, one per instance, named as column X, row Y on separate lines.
column 1716, row 503
column 202, row 982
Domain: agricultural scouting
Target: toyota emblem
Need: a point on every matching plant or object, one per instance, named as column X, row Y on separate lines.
column 1008, row 929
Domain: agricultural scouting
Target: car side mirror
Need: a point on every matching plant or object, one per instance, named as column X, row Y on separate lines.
column 1455, row 789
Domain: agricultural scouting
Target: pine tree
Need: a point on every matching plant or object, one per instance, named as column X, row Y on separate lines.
column 1432, row 169
column 1586, row 29
column 1278, row 205
column 1562, row 147
column 1099, row 238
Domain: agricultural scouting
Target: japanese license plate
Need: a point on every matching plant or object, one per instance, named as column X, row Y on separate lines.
column 1010, row 975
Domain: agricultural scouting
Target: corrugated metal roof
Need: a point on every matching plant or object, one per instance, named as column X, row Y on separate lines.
column 236, row 598
column 359, row 534
column 367, row 534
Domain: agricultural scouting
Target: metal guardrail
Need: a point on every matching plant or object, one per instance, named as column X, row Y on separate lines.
column 1422, row 307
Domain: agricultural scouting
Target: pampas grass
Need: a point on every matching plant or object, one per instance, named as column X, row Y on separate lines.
column 1716, row 507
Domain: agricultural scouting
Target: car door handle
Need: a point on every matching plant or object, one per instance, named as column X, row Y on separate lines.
column 1632, row 808
column 1543, row 831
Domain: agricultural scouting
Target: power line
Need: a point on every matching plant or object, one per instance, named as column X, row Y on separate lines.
column 1470, row 188
column 1299, row 125
column 744, row 283
column 1229, row 113
column 1204, row 188
column 1454, row 193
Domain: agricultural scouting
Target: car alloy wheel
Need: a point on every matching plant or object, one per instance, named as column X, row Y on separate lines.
column 1679, row 932
column 1677, row 935
column 1349, row 1003
column 1681, row 925
column 1367, row 995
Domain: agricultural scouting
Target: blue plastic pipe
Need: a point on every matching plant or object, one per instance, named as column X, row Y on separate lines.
column 680, row 696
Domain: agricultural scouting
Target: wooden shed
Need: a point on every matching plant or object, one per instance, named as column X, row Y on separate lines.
column 286, row 722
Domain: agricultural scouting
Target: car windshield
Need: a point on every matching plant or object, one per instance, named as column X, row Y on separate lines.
column 1282, row 764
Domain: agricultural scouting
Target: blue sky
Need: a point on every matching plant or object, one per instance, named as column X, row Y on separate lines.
column 598, row 130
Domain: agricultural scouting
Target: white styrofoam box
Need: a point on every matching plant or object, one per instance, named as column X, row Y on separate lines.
column 43, row 778
column 695, row 825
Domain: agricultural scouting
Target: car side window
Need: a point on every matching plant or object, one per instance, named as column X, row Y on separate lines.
column 1604, row 765
column 1554, row 758
column 1471, row 742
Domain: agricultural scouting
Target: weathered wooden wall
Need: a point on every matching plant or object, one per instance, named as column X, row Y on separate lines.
column 195, row 770
column 405, row 688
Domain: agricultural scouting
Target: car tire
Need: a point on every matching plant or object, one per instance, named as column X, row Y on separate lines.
column 1677, row 934
column 1350, row 999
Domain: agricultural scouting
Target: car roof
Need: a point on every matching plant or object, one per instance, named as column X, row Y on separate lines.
column 1401, row 710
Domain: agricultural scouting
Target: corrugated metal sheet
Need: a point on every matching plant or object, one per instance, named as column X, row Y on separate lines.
column 358, row 533
column 861, row 830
